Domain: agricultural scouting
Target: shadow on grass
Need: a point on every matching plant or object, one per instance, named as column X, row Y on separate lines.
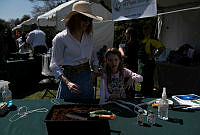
column 35, row 91
column 39, row 94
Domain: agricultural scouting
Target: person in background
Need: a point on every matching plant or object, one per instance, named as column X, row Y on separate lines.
column 129, row 49
column 22, row 45
column 7, row 44
column 4, row 53
column 149, row 49
column 117, row 80
column 100, row 55
column 19, row 40
column 37, row 38
column 72, row 50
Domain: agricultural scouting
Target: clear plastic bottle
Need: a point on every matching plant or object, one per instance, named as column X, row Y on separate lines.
column 163, row 106
column 7, row 94
column 102, row 92
column 1, row 90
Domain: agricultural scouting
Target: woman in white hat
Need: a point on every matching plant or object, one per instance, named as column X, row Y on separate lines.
column 72, row 52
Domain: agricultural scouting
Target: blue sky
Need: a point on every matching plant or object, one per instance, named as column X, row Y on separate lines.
column 13, row 9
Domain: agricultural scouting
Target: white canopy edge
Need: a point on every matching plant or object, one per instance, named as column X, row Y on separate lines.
column 175, row 11
column 27, row 22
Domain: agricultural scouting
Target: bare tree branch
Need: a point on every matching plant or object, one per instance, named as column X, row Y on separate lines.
column 48, row 5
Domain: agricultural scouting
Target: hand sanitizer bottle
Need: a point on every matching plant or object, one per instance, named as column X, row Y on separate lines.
column 7, row 94
column 163, row 106
column 1, row 90
column 102, row 92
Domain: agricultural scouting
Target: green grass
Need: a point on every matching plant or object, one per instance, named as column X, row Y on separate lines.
column 137, row 86
column 39, row 94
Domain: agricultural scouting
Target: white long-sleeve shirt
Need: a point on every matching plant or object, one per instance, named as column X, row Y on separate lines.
column 36, row 38
column 67, row 50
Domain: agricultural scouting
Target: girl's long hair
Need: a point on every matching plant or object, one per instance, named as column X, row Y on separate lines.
column 107, row 68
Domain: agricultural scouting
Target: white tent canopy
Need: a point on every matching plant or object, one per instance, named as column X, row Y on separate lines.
column 30, row 21
column 179, row 23
column 27, row 22
column 55, row 16
column 17, row 27
column 103, row 31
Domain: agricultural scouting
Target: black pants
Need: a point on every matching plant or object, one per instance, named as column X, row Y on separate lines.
column 146, row 69
column 40, row 50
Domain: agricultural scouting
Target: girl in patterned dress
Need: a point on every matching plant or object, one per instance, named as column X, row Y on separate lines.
column 116, row 81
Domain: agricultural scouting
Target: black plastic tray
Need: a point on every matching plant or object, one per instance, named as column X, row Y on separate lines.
column 76, row 127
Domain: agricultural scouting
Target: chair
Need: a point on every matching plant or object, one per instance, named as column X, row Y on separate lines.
column 49, row 81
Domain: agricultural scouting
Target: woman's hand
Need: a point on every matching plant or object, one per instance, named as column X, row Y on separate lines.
column 72, row 86
column 125, row 57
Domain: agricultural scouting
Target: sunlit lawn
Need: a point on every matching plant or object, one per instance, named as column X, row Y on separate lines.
column 39, row 94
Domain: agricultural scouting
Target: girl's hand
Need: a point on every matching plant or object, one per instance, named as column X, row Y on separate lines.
column 129, row 83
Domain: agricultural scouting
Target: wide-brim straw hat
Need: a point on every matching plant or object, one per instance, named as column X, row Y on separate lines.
column 84, row 8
